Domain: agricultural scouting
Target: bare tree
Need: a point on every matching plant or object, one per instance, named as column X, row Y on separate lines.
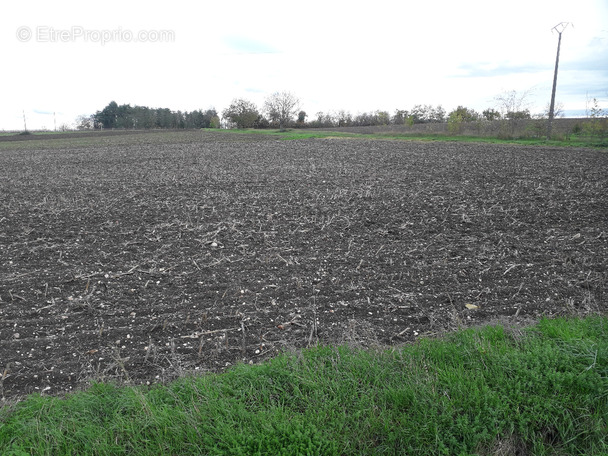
column 282, row 107
column 514, row 106
column 85, row 122
column 558, row 110
column 511, row 101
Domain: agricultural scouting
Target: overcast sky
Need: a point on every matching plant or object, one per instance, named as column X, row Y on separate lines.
column 74, row 57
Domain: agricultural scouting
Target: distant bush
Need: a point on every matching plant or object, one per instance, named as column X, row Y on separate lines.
column 597, row 124
column 537, row 128
column 242, row 113
column 455, row 121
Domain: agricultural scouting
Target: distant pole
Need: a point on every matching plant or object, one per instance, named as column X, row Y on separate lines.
column 24, row 124
column 559, row 28
column 55, row 120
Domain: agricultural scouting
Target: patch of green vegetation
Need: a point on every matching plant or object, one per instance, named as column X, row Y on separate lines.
column 290, row 134
column 573, row 141
column 494, row 390
column 46, row 140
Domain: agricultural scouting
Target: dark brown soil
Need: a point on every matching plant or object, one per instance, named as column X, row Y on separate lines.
column 37, row 136
column 141, row 262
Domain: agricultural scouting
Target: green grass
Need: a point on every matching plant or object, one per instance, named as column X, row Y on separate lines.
column 573, row 141
column 46, row 140
column 290, row 134
column 541, row 390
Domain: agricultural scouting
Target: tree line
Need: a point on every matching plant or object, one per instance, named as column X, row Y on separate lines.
column 125, row 116
column 282, row 110
column 243, row 113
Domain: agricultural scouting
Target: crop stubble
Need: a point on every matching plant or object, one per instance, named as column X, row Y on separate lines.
column 142, row 261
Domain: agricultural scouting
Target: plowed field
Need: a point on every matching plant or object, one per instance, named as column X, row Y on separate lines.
column 141, row 260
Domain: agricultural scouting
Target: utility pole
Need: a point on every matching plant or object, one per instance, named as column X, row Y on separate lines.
column 24, row 123
column 559, row 28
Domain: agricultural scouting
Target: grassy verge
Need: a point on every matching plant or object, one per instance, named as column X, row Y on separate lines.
column 542, row 390
column 54, row 140
column 305, row 134
column 292, row 134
